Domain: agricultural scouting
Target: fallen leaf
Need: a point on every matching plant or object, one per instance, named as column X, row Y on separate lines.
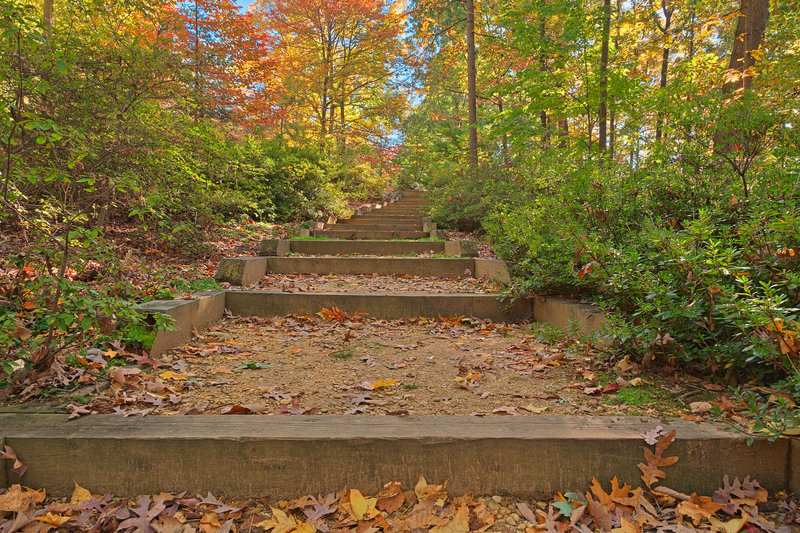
column 53, row 519
column 424, row 491
column 20, row 499
column 391, row 498
column 700, row 407
column 535, row 410
column 698, row 507
column 169, row 374
column 248, row 409
column 363, row 508
column 18, row 468
column 459, row 523
column 80, row 495
column 654, row 461
column 731, row 526
column 381, row 383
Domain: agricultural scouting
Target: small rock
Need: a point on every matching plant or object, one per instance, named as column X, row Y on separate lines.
column 493, row 506
column 497, row 499
column 521, row 527
column 510, row 520
column 515, row 516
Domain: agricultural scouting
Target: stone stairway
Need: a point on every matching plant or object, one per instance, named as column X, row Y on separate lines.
column 285, row 456
column 401, row 219
column 394, row 239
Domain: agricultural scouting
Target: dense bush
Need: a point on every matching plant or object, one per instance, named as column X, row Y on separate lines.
column 690, row 265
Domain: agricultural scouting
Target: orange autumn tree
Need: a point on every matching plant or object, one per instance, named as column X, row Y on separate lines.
column 232, row 67
column 335, row 64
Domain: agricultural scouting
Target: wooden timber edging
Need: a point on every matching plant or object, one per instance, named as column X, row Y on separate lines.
column 283, row 457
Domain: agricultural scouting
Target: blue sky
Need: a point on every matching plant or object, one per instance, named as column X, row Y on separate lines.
column 244, row 3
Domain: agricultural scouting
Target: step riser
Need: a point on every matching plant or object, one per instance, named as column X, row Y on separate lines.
column 388, row 248
column 355, row 235
column 388, row 306
column 374, row 227
column 283, row 457
column 449, row 268
column 381, row 220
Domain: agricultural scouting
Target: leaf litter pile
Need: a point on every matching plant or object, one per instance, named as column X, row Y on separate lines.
column 739, row 505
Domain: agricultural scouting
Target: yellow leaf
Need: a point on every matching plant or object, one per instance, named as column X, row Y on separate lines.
column 382, row 383
column 54, row 519
column 279, row 523
column 80, row 495
column 363, row 508
column 169, row 374
column 731, row 526
column 459, row 523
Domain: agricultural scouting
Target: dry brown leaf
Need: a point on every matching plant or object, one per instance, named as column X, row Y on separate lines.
column 424, row 491
column 391, row 498
column 626, row 526
column 459, row 523
column 20, row 499
column 601, row 516
column 602, row 496
column 700, row 407
column 697, row 508
column 654, row 461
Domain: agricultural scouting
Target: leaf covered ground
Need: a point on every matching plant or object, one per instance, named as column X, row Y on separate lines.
column 335, row 363
column 614, row 506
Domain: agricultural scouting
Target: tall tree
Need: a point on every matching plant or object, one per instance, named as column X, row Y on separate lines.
column 335, row 60
column 750, row 26
column 603, row 111
column 667, row 11
column 472, row 97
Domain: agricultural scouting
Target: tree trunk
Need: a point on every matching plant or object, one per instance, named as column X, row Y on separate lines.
column 603, row 112
column 471, row 87
column 506, row 160
column 750, row 27
column 664, row 60
column 563, row 132
column 47, row 13
column 542, row 68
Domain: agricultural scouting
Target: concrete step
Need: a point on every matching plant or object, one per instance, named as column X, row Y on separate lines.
column 398, row 210
column 244, row 271
column 410, row 266
column 286, row 456
column 379, row 305
column 378, row 226
column 378, row 247
column 368, row 219
column 380, row 235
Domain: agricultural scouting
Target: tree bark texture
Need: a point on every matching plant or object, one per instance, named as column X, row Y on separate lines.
column 471, row 87
column 603, row 111
column 750, row 27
